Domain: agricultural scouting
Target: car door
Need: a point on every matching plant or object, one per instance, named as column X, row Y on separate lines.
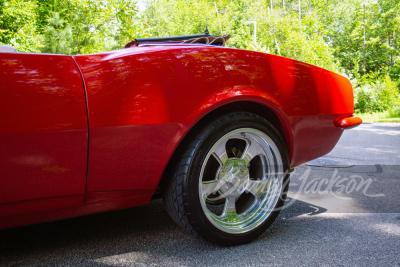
column 43, row 132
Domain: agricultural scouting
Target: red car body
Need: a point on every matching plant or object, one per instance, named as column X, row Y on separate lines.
column 93, row 133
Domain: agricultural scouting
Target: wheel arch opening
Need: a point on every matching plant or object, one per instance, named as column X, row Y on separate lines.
column 245, row 106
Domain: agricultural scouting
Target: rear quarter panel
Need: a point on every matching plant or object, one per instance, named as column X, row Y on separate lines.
column 142, row 101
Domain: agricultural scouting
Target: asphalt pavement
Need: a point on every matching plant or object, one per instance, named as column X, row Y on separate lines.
column 333, row 217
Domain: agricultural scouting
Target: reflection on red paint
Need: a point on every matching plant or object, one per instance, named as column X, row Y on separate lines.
column 43, row 127
column 151, row 91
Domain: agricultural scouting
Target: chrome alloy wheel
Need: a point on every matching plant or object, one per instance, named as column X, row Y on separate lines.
column 241, row 180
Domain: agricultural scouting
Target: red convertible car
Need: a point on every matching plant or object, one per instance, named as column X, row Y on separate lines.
column 213, row 130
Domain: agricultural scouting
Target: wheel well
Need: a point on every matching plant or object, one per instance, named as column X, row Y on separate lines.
column 246, row 106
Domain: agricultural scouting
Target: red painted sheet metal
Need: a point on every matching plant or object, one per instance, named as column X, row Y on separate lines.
column 73, row 211
column 39, row 205
column 43, row 127
column 153, row 95
column 141, row 103
column 102, row 196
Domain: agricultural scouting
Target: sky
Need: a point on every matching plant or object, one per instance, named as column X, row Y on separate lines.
column 141, row 4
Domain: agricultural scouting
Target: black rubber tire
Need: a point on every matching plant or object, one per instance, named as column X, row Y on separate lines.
column 181, row 192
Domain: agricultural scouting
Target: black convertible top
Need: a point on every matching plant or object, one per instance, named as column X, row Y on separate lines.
column 170, row 38
column 204, row 38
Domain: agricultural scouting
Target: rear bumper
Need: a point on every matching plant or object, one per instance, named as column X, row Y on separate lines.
column 348, row 122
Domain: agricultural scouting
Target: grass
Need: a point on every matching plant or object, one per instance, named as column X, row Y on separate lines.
column 385, row 116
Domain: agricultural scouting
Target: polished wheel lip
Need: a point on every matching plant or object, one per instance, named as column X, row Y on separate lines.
column 266, row 192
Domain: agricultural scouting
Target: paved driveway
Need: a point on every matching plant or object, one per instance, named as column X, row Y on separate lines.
column 353, row 220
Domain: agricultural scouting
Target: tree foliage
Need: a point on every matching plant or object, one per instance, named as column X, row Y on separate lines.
column 279, row 31
column 18, row 25
column 69, row 26
column 345, row 22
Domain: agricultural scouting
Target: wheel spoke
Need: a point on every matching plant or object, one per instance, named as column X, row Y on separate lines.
column 219, row 152
column 253, row 149
column 229, row 214
column 257, row 188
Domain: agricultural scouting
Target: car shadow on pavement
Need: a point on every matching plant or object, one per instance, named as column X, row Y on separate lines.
column 87, row 238
column 137, row 236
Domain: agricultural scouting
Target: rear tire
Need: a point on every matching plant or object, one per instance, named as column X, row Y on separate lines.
column 230, row 181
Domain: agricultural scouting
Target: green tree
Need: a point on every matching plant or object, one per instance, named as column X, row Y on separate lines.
column 18, row 25
column 344, row 22
column 279, row 31
column 94, row 25
column 57, row 36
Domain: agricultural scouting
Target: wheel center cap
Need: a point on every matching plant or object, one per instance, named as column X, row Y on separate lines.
column 235, row 174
